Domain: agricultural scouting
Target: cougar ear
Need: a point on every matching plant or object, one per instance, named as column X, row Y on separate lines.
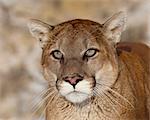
column 114, row 26
column 39, row 30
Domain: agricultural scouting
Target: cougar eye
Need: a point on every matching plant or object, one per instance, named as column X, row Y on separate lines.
column 57, row 54
column 90, row 52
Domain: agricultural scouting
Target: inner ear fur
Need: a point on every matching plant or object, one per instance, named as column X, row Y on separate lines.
column 40, row 30
column 114, row 26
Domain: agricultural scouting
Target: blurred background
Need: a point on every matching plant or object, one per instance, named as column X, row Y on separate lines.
column 21, row 81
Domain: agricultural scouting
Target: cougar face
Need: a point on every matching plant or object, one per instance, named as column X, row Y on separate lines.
column 79, row 61
column 78, row 58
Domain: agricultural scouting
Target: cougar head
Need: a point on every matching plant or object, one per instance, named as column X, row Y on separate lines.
column 79, row 57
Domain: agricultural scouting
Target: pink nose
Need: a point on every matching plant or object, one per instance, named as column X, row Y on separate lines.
column 73, row 80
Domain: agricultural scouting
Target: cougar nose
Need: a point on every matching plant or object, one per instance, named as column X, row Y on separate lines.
column 73, row 80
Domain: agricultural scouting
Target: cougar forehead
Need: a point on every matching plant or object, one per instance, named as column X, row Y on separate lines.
column 75, row 34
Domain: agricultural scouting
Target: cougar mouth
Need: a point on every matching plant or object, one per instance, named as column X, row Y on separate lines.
column 77, row 97
column 75, row 92
column 82, row 91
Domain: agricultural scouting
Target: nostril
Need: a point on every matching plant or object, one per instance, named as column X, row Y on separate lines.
column 73, row 81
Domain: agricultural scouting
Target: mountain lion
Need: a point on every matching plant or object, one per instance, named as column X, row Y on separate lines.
column 90, row 73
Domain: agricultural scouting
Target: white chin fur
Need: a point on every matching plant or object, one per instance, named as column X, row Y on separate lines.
column 81, row 92
column 76, row 97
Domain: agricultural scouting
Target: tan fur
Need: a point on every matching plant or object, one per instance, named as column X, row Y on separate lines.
column 130, row 84
column 122, row 69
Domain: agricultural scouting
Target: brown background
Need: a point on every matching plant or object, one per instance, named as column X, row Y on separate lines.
column 20, row 72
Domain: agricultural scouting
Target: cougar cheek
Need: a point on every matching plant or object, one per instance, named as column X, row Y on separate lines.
column 106, row 76
column 49, row 75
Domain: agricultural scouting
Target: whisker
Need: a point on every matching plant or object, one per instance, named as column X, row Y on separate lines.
column 42, row 117
column 116, row 93
column 119, row 95
column 112, row 104
column 104, row 95
column 102, row 84
column 36, row 104
column 113, row 99
column 50, row 102
column 122, row 97
column 33, row 102
column 42, row 102
column 102, row 99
